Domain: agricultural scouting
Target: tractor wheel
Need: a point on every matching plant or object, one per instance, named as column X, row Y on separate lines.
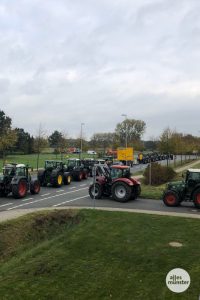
column 196, row 198
column 85, row 175
column 171, row 198
column 67, row 179
column 41, row 178
column 95, row 191
column 121, row 191
column 20, row 190
column 35, row 187
column 3, row 194
column 58, row 180
column 80, row 176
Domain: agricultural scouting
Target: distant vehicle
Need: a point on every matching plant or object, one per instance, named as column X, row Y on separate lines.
column 91, row 152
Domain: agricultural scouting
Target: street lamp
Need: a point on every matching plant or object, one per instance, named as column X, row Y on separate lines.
column 81, row 139
column 124, row 115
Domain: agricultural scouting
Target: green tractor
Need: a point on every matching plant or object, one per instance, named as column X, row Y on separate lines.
column 186, row 190
column 16, row 180
column 76, row 168
column 54, row 173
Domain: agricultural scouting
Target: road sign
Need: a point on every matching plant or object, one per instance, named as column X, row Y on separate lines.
column 125, row 154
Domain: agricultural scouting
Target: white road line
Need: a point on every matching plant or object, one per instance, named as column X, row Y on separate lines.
column 73, row 187
column 6, row 204
column 60, row 191
column 83, row 184
column 45, row 194
column 39, row 200
column 70, row 201
column 27, row 199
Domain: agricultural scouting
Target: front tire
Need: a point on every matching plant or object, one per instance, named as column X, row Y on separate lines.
column 57, row 180
column 171, row 199
column 121, row 192
column 35, row 187
column 95, row 191
column 196, row 198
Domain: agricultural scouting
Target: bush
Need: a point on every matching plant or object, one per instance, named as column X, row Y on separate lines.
column 159, row 174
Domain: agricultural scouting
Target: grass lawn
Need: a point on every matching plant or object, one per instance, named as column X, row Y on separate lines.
column 31, row 159
column 96, row 255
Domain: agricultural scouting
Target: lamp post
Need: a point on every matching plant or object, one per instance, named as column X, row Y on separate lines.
column 81, row 140
column 125, row 116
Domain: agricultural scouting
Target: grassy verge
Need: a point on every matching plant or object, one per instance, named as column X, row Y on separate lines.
column 31, row 159
column 152, row 192
column 105, row 255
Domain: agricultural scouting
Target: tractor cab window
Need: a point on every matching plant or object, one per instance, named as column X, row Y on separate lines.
column 8, row 171
column 116, row 173
column 49, row 164
column 194, row 176
column 20, row 171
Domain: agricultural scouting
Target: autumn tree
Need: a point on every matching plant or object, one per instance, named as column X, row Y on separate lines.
column 132, row 129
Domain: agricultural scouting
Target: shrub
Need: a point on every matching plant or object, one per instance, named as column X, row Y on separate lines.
column 159, row 174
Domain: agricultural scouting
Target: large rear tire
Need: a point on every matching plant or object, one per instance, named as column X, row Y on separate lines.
column 20, row 190
column 196, row 198
column 95, row 192
column 171, row 198
column 121, row 191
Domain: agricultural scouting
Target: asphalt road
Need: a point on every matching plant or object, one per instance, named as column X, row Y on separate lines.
column 76, row 194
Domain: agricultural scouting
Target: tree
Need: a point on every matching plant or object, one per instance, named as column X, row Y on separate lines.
column 133, row 129
column 58, row 140
column 103, row 140
column 40, row 142
column 8, row 136
column 24, row 141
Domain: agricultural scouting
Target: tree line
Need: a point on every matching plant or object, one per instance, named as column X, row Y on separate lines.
column 130, row 131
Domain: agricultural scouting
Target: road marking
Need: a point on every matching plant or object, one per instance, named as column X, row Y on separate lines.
column 6, row 204
column 73, row 187
column 83, row 184
column 27, row 199
column 45, row 194
column 55, row 205
column 39, row 200
column 60, row 191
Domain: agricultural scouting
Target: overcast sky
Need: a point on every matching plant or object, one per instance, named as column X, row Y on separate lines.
column 64, row 62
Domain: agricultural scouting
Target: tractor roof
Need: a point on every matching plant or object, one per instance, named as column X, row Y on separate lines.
column 194, row 170
column 20, row 166
column 119, row 167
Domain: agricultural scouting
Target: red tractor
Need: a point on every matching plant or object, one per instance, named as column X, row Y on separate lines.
column 116, row 182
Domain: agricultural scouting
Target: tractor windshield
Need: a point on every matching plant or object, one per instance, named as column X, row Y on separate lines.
column 20, row 171
column 116, row 173
column 71, row 163
column 8, row 171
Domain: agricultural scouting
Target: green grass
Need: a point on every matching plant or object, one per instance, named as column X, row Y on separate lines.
column 97, row 255
column 31, row 159
column 152, row 192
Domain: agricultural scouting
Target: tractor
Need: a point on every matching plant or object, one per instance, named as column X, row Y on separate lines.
column 16, row 179
column 76, row 169
column 116, row 182
column 54, row 173
column 185, row 190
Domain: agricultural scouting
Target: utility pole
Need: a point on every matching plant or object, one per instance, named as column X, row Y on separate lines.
column 126, row 135
column 81, row 140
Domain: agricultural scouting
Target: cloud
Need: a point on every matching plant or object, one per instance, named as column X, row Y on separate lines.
column 67, row 62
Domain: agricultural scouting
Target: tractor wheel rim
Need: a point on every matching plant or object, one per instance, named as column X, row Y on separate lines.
column 171, row 199
column 94, row 191
column 80, row 176
column 68, row 179
column 198, row 198
column 37, row 188
column 22, row 188
column 120, row 191
column 59, row 179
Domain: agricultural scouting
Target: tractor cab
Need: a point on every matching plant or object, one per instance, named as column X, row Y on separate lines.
column 53, row 164
column 192, row 178
column 118, row 171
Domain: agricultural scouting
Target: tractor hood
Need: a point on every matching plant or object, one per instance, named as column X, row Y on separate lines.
column 176, row 185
